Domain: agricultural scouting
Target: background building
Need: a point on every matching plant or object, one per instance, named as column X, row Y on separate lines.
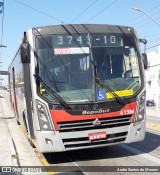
column 153, row 78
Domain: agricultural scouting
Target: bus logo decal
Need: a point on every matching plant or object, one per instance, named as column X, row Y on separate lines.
column 96, row 122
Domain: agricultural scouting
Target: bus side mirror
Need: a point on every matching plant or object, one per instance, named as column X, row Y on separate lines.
column 25, row 52
column 144, row 55
column 142, row 40
column 145, row 60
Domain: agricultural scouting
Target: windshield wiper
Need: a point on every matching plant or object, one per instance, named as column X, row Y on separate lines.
column 53, row 93
column 102, row 84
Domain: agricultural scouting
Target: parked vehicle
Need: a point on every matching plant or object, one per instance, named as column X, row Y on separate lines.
column 150, row 103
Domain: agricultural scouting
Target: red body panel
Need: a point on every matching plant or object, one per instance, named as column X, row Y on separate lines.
column 13, row 103
column 62, row 116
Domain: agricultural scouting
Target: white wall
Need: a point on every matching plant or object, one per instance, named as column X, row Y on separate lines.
column 152, row 78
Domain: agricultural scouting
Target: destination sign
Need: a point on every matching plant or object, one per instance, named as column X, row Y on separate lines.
column 86, row 40
column 73, row 40
column 105, row 40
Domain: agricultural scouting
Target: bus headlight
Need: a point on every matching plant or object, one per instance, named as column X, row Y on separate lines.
column 141, row 108
column 43, row 116
column 140, row 117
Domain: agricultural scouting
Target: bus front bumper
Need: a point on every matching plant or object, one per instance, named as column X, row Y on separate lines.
column 55, row 141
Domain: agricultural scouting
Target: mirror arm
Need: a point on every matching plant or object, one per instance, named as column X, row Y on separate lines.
column 25, row 50
column 144, row 55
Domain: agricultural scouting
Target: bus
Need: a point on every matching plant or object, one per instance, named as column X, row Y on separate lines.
column 79, row 86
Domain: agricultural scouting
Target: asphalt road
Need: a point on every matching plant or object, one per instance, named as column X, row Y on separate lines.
column 145, row 153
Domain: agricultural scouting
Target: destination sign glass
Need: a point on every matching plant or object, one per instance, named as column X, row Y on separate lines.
column 68, row 41
column 85, row 40
column 106, row 40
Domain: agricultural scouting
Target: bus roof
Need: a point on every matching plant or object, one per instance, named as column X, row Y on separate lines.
column 82, row 28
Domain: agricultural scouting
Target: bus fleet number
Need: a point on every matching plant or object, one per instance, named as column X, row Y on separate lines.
column 127, row 112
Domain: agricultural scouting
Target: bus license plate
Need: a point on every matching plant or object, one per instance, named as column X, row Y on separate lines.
column 97, row 136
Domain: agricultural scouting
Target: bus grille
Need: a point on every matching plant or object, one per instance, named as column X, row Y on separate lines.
column 104, row 123
column 81, row 142
column 84, row 142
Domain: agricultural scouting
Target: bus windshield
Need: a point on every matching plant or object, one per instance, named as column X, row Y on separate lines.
column 71, row 64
